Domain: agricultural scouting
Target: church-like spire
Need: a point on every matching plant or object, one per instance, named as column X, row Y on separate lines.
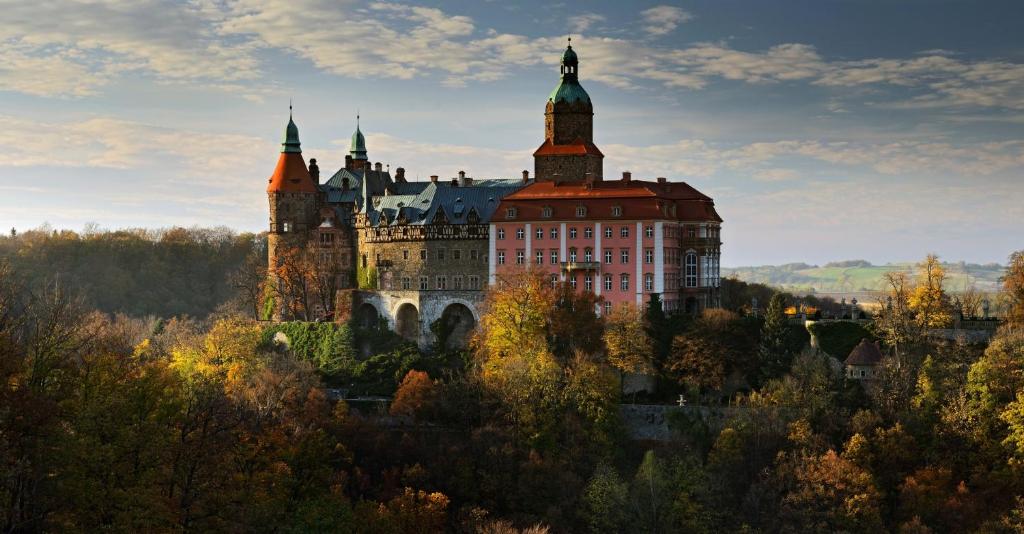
column 569, row 88
column 358, row 148
column 291, row 135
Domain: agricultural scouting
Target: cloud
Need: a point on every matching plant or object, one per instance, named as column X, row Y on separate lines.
column 660, row 20
column 583, row 22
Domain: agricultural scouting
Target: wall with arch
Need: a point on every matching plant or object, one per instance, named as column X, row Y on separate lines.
column 411, row 313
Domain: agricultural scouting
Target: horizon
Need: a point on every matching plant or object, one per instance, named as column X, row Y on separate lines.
column 814, row 142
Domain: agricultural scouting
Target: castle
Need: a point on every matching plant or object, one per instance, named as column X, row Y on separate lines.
column 375, row 247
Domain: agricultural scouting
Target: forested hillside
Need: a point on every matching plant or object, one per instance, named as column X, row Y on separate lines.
column 139, row 272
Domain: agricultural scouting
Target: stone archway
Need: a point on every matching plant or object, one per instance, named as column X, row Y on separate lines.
column 458, row 321
column 367, row 316
column 407, row 322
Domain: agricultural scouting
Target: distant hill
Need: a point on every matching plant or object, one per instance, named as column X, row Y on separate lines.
column 855, row 276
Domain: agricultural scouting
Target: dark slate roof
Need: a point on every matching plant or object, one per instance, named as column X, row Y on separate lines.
column 336, row 195
column 420, row 202
column 865, row 353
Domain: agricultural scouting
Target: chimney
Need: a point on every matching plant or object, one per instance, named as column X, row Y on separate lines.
column 348, row 161
column 455, row 182
column 378, row 167
column 400, row 174
column 462, row 174
column 464, row 180
column 314, row 170
column 627, row 176
column 526, row 176
column 433, row 178
column 662, row 180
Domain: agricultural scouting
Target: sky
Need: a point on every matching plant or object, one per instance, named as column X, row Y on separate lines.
column 823, row 129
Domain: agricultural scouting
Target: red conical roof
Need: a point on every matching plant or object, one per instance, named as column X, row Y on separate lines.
column 291, row 175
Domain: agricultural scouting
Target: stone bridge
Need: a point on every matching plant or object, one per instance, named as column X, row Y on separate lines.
column 410, row 313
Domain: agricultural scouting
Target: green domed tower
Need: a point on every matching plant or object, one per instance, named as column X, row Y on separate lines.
column 568, row 152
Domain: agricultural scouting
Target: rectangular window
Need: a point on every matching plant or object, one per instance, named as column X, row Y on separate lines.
column 540, row 233
column 442, row 282
column 501, row 233
column 624, row 282
column 501, row 257
column 554, row 280
column 624, row 256
column 607, row 282
column 405, row 254
column 572, row 281
column 588, row 255
column 456, row 254
column 457, row 282
column 608, row 255
column 540, row 257
column 649, row 255
column 649, row 282
column 326, row 239
column 406, row 282
column 649, row 231
column 423, row 254
column 545, row 212
column 624, row 231
column 424, row 283
column 581, row 211
column 572, row 255
column 588, row 283
column 554, row 233
column 510, row 213
column 554, row 256
column 691, row 269
column 520, row 234
column 607, row 308
column 572, row 233
column 474, row 282
column 616, row 211
column 440, row 254
column 588, row 232
column 474, row 254
column 608, row 232
column 520, row 256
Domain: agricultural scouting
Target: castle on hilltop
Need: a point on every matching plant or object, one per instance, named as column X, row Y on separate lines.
column 367, row 245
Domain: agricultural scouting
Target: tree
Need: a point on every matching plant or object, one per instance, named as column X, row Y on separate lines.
column 1013, row 286
column 831, row 494
column 250, row 280
column 929, row 299
column 896, row 321
column 773, row 349
column 415, row 397
column 629, row 347
column 606, row 500
column 573, row 323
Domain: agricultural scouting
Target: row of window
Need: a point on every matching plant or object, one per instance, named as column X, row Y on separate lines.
column 439, row 255
column 442, row 282
column 608, row 280
column 588, row 232
column 547, row 212
column 588, row 256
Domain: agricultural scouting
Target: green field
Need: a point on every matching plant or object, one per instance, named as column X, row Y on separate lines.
column 859, row 276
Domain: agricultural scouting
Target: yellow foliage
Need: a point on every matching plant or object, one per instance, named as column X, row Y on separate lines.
column 928, row 299
column 629, row 348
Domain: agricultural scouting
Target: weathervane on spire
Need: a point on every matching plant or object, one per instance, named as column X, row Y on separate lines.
column 289, row 107
column 570, row 41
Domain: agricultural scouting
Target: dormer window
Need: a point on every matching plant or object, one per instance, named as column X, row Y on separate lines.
column 510, row 213
column 581, row 211
column 616, row 211
column 545, row 212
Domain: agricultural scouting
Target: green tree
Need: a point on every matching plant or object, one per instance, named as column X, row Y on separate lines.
column 606, row 501
column 773, row 349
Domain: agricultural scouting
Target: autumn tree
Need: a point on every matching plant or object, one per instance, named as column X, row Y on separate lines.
column 831, row 494
column 773, row 350
column 1013, row 287
column 573, row 323
column 629, row 348
column 415, row 397
column 929, row 300
column 250, row 281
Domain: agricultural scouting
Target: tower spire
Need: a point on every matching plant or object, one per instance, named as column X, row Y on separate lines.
column 358, row 148
column 291, row 135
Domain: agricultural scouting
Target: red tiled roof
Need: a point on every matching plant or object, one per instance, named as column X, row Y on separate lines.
column 638, row 200
column 291, row 175
column 579, row 147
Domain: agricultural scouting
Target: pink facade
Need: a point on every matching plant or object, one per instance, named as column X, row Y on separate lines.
column 586, row 237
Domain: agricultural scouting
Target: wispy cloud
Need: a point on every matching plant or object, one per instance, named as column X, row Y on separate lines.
column 583, row 22
column 660, row 20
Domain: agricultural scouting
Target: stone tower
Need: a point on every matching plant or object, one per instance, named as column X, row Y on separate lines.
column 568, row 153
column 294, row 200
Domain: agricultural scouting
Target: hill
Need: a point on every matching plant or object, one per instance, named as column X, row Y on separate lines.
column 859, row 276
